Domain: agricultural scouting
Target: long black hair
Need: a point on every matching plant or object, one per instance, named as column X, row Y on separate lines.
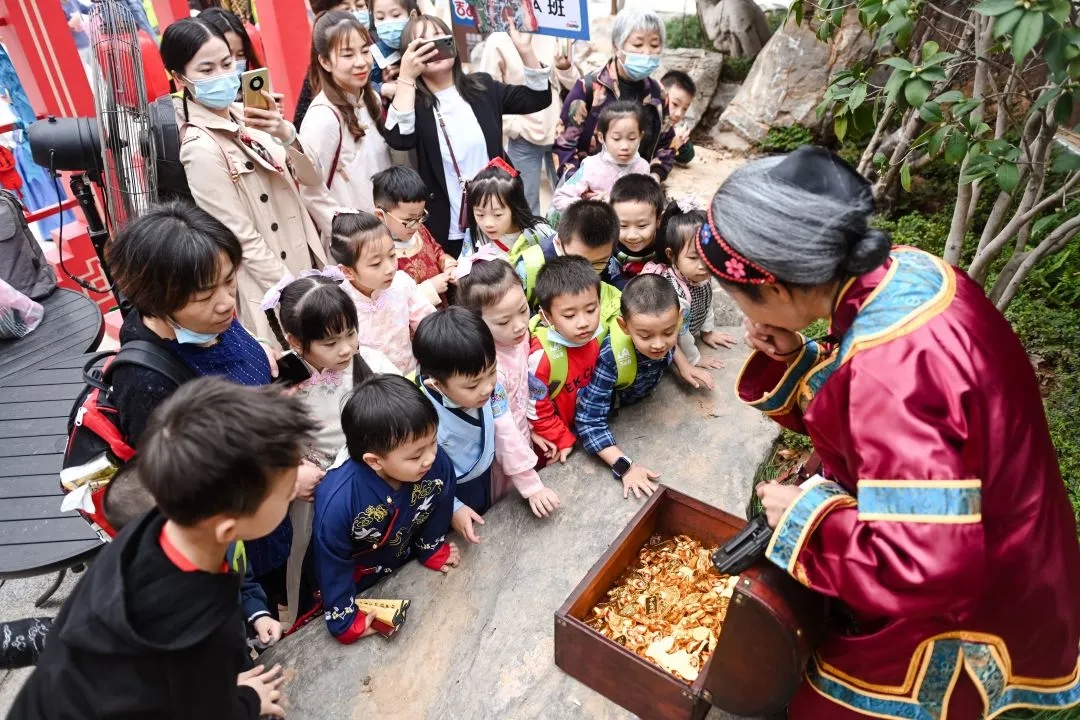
column 310, row 309
column 468, row 86
column 181, row 41
column 227, row 22
column 330, row 33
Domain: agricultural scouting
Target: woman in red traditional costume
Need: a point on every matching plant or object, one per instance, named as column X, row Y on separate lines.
column 943, row 529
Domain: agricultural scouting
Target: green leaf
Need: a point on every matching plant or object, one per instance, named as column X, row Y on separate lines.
column 1007, row 177
column 998, row 147
column 1027, row 34
column 931, row 112
column 840, row 123
column 894, row 84
column 937, row 59
column 1005, row 23
column 1063, row 110
column 879, row 159
column 1059, row 11
column 992, row 8
column 899, row 63
column 956, row 148
column 938, row 139
column 964, row 107
column 950, row 97
column 916, row 91
column 929, row 49
column 858, row 95
column 1066, row 161
column 975, row 171
column 1043, row 223
column 933, row 74
column 905, row 177
column 1045, row 97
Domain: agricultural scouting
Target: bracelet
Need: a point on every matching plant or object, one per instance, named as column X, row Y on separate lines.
column 292, row 137
column 406, row 82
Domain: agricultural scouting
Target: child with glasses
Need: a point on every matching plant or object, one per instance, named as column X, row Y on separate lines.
column 400, row 197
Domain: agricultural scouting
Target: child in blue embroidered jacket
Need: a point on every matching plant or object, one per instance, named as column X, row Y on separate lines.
column 456, row 353
column 388, row 502
column 632, row 361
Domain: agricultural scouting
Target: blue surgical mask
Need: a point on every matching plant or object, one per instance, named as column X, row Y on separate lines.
column 240, row 65
column 389, row 31
column 363, row 17
column 556, row 336
column 190, row 337
column 218, row 92
column 639, row 66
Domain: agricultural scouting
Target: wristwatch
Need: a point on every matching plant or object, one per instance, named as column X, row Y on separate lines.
column 621, row 466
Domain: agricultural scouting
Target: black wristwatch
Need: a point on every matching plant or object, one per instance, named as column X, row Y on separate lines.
column 621, row 467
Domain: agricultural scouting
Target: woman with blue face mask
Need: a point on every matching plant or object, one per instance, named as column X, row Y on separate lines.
column 638, row 38
column 244, row 166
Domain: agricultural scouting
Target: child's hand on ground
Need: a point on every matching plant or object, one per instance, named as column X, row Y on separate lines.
column 696, row 377
column 547, row 448
column 544, row 502
column 716, row 339
column 267, row 683
column 453, row 559
column 307, row 479
column 710, row 363
column 462, row 523
column 638, row 479
column 268, row 629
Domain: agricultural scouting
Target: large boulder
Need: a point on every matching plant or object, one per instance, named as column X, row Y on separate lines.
column 737, row 28
column 789, row 77
column 703, row 67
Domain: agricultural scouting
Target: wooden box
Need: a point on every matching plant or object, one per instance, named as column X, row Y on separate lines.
column 771, row 627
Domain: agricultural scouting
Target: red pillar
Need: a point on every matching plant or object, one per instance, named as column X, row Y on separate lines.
column 36, row 35
column 169, row 11
column 286, row 36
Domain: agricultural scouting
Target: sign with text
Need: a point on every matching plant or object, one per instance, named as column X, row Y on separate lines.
column 559, row 18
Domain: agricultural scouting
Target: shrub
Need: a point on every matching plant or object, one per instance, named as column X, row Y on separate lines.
column 776, row 19
column 687, row 32
column 735, row 69
column 785, row 138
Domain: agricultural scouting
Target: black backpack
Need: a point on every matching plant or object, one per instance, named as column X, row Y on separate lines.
column 22, row 262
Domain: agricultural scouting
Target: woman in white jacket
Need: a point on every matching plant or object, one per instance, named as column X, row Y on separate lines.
column 343, row 125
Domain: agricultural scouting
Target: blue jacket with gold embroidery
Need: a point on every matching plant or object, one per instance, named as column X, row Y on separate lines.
column 364, row 530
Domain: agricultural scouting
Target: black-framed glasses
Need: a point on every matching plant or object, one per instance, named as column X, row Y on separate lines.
column 410, row 224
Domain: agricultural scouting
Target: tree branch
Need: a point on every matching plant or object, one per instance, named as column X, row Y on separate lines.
column 1051, row 244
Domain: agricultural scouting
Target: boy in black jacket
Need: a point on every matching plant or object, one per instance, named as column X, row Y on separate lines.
column 153, row 628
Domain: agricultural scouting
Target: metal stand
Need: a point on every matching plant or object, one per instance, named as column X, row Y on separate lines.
column 99, row 234
column 44, row 597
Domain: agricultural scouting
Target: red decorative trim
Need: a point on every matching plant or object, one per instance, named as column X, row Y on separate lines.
column 725, row 262
column 438, row 558
column 177, row 558
column 359, row 625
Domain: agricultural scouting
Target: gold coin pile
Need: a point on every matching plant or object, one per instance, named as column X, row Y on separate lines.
column 668, row 609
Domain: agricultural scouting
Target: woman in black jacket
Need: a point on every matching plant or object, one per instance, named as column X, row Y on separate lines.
column 454, row 120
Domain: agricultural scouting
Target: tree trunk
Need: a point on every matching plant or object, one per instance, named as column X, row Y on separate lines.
column 737, row 28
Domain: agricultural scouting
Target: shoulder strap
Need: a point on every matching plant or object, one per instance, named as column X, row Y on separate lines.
column 622, row 348
column 233, row 174
column 140, row 353
column 449, row 147
column 610, row 308
column 557, row 360
column 533, row 257
column 337, row 153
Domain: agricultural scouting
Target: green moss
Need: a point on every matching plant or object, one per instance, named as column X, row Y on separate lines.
column 687, row 32
column 735, row 69
column 784, row 139
column 775, row 18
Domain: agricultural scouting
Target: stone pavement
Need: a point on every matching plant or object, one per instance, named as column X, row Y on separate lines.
column 479, row 641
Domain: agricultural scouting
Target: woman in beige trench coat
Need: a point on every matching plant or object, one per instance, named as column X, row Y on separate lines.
column 244, row 166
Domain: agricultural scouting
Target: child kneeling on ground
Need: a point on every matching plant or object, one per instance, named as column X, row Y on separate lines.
column 154, row 627
column 388, row 502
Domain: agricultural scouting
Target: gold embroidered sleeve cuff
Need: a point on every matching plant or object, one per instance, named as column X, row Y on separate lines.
column 818, row 498
column 771, row 386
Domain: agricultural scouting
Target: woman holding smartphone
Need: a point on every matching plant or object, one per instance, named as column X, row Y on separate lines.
column 343, row 125
column 243, row 166
column 433, row 95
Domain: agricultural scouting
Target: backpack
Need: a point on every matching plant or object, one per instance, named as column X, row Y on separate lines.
column 171, row 176
column 22, row 262
column 622, row 347
column 94, row 420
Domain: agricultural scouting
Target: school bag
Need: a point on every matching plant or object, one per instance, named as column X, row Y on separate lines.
column 22, row 263
column 94, row 422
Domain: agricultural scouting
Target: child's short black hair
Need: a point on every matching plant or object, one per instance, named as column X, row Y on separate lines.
column 397, row 185
column 636, row 187
column 310, row 309
column 617, row 111
column 210, row 448
column 590, row 221
column 350, row 232
column 677, row 229
column 648, row 295
column 383, row 413
column 125, row 498
column 453, row 341
column 679, row 79
column 564, row 275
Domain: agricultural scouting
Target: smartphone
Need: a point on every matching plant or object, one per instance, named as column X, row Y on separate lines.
column 291, row 370
column 253, row 82
column 444, row 47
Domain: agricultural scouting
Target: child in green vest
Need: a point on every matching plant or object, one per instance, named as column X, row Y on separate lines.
column 632, row 360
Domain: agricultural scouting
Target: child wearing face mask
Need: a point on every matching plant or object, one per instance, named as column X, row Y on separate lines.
column 388, row 303
column 619, row 132
column 677, row 259
column 388, row 20
column 456, row 354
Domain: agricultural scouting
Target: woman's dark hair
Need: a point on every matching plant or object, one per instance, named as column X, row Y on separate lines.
column 310, row 309
column 213, row 447
column 564, row 275
column 383, row 413
column 331, row 34
column 495, row 184
column 169, row 253
column 468, row 86
column 619, row 110
column 350, row 231
column 453, row 341
column 677, row 228
column 228, row 22
column 320, row 6
column 486, row 284
column 181, row 41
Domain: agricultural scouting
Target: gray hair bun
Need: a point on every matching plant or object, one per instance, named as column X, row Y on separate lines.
column 868, row 252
